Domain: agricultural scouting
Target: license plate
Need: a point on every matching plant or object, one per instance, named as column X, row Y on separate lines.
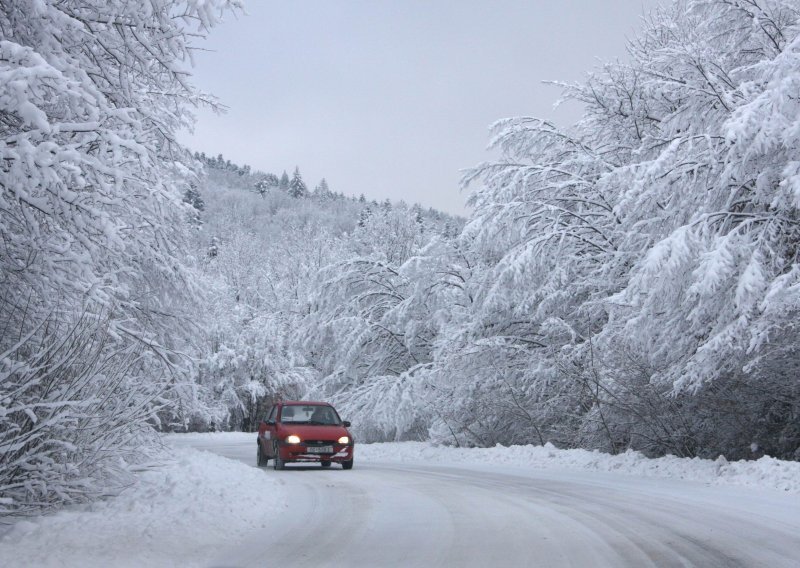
column 320, row 449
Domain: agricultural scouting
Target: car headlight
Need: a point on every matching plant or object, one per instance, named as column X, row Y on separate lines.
column 344, row 440
column 292, row 439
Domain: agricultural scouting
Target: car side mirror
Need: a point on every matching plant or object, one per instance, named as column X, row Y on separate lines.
column 346, row 423
column 270, row 423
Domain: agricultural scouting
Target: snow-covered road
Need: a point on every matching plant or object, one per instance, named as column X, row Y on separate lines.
column 203, row 503
column 400, row 514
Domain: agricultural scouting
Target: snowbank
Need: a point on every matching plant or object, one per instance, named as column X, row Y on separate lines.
column 764, row 473
column 177, row 515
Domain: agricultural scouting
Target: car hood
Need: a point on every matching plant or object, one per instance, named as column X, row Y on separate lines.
column 313, row 432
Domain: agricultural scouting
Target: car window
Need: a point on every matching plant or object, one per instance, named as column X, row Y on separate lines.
column 273, row 413
column 310, row 414
column 324, row 415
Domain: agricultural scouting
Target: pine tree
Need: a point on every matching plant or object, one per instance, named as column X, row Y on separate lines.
column 322, row 191
column 192, row 197
column 364, row 216
column 417, row 211
column 297, row 187
column 284, row 182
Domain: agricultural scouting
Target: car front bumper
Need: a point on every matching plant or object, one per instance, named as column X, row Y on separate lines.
column 300, row 453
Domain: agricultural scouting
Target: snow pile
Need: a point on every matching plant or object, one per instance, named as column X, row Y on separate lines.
column 764, row 473
column 224, row 438
column 178, row 514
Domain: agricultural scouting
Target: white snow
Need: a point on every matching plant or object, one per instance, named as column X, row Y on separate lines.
column 200, row 508
column 764, row 473
column 175, row 515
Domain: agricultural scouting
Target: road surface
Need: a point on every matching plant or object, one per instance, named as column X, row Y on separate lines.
column 393, row 514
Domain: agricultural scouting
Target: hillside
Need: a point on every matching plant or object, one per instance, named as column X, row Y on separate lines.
column 261, row 254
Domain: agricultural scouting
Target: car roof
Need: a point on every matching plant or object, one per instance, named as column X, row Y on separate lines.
column 303, row 402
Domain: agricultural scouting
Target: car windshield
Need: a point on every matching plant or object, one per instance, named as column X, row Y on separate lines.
column 310, row 414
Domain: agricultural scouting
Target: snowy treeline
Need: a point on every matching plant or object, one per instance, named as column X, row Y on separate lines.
column 94, row 291
column 629, row 282
column 261, row 250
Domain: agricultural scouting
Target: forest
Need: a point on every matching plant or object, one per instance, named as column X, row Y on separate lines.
column 629, row 281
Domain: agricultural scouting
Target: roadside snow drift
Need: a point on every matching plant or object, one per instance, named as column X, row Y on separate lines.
column 176, row 515
column 764, row 473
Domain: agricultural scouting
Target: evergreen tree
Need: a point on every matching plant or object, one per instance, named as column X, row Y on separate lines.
column 417, row 211
column 284, row 182
column 297, row 187
column 322, row 191
column 364, row 216
column 192, row 197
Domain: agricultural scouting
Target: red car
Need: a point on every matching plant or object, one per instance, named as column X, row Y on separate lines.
column 301, row 431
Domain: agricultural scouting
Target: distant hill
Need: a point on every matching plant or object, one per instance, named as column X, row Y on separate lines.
column 260, row 244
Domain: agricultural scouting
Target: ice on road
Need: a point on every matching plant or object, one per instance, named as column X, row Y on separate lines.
column 399, row 514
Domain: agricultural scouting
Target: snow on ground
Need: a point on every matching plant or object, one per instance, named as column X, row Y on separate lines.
column 764, row 473
column 200, row 504
column 176, row 515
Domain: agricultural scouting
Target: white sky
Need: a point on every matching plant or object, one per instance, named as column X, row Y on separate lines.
column 391, row 98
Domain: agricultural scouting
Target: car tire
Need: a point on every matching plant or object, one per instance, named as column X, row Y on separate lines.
column 279, row 463
column 259, row 456
column 325, row 463
column 347, row 464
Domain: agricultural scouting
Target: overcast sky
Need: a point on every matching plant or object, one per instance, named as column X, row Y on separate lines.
column 393, row 98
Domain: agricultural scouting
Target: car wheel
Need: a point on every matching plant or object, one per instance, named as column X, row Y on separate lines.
column 262, row 460
column 325, row 463
column 347, row 464
column 279, row 463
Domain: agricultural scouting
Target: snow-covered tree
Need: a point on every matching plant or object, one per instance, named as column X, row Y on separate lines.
column 370, row 328
column 283, row 183
column 647, row 255
column 297, row 187
column 266, row 182
column 322, row 191
column 258, row 285
column 91, row 177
